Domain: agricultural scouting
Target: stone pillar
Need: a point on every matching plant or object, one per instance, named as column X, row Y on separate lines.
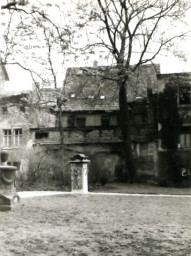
column 79, row 174
column 8, row 195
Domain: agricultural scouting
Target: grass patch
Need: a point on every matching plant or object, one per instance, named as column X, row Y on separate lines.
column 97, row 225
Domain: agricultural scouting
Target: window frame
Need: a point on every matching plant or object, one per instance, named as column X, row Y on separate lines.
column 105, row 120
column 45, row 133
column 184, row 94
column 17, row 138
column 7, row 138
column 185, row 137
column 78, row 120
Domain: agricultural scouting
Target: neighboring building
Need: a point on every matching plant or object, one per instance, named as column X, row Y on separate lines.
column 182, row 84
column 19, row 113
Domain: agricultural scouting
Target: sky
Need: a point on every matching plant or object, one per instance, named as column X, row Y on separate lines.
column 21, row 80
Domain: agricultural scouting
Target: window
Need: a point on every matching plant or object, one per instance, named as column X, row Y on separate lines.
column 184, row 95
column 4, row 110
column 7, row 137
column 41, row 135
column 71, row 121
column 22, row 109
column 138, row 119
column 185, row 137
column 81, row 122
column 139, row 113
column 17, row 136
column 105, row 120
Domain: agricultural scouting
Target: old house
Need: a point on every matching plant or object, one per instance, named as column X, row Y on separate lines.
column 87, row 121
column 82, row 117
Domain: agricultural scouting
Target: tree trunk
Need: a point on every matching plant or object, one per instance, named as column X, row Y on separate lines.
column 124, row 119
column 61, row 128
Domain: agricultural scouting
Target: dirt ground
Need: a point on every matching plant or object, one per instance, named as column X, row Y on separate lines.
column 97, row 225
column 140, row 188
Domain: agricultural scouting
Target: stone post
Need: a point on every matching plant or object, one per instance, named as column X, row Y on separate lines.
column 8, row 195
column 79, row 174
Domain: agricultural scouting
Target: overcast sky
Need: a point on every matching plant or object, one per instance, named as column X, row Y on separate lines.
column 20, row 79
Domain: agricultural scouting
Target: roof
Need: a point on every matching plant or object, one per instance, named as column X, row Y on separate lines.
column 175, row 75
column 95, row 88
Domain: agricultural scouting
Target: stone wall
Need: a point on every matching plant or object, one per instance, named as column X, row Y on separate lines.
column 146, row 156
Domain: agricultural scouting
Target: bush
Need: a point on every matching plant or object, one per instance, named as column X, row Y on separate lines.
column 46, row 168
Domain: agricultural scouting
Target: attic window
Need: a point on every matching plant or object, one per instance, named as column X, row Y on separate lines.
column 102, row 97
column 41, row 135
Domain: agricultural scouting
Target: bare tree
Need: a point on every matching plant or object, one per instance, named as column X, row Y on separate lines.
column 34, row 41
column 136, row 33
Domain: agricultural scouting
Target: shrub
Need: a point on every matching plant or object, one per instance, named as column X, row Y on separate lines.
column 47, row 168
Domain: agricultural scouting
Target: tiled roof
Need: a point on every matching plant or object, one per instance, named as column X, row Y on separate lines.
column 95, row 88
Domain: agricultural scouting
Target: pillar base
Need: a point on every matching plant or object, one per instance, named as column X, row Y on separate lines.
column 7, row 202
column 80, row 191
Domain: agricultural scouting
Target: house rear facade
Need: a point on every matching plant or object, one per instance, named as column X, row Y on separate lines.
column 83, row 117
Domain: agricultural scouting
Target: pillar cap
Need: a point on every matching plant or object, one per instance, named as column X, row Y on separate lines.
column 79, row 158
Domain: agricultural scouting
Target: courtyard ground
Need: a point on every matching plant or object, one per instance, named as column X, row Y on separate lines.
column 97, row 225
column 116, row 187
column 141, row 188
